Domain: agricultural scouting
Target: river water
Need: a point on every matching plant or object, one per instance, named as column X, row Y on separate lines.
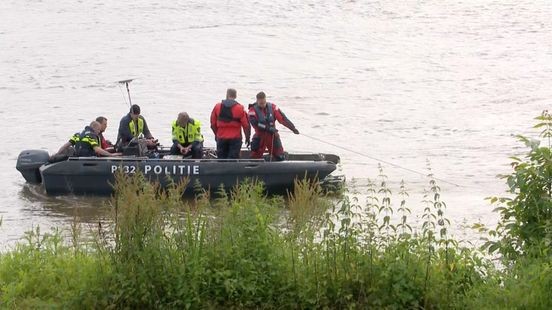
column 407, row 82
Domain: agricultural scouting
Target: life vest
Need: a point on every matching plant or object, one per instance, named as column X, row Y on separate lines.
column 226, row 115
column 132, row 127
column 267, row 120
column 188, row 134
column 103, row 143
column 85, row 142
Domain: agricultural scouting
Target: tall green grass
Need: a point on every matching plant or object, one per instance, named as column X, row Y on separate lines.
column 244, row 249
column 44, row 272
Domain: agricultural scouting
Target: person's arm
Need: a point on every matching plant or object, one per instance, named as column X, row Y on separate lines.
column 214, row 120
column 94, row 142
column 101, row 152
column 198, row 137
column 245, row 125
column 64, row 147
column 179, row 146
column 124, row 131
column 175, row 139
column 282, row 119
column 147, row 133
column 252, row 115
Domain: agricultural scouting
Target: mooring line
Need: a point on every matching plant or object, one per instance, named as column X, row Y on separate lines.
column 122, row 93
column 380, row 160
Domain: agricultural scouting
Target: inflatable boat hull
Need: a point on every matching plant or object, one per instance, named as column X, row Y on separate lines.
column 96, row 175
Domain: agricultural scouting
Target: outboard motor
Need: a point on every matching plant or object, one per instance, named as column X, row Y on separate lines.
column 29, row 162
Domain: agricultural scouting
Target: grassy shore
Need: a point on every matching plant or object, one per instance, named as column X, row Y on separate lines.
column 241, row 250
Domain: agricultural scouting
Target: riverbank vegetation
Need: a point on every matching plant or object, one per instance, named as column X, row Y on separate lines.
column 246, row 250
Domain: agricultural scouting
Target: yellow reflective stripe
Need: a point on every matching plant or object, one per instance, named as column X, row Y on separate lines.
column 196, row 132
column 93, row 142
column 178, row 133
column 192, row 131
column 90, row 140
column 175, row 133
column 132, row 127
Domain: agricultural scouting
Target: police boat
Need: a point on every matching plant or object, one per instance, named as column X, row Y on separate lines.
column 96, row 175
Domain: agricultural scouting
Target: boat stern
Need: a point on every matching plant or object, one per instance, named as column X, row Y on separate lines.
column 29, row 163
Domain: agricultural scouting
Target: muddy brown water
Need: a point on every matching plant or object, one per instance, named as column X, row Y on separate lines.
column 444, row 81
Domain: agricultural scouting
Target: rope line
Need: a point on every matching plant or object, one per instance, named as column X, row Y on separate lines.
column 123, row 93
column 379, row 160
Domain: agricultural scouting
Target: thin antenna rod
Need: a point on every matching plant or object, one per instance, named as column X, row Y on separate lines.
column 128, row 89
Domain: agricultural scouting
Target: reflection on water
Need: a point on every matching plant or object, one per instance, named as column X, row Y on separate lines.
column 444, row 81
column 85, row 208
column 35, row 208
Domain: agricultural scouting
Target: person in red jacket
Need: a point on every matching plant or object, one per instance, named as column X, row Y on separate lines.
column 104, row 144
column 228, row 118
column 263, row 116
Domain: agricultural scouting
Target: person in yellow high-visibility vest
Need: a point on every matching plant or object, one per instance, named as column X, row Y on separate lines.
column 186, row 136
column 85, row 144
column 133, row 125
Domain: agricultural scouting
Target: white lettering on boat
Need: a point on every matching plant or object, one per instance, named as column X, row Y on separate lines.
column 126, row 169
column 158, row 169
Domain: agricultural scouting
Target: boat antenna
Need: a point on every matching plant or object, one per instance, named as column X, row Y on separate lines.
column 126, row 82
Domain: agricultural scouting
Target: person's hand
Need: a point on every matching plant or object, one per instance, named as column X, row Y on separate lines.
column 295, row 131
column 116, row 154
